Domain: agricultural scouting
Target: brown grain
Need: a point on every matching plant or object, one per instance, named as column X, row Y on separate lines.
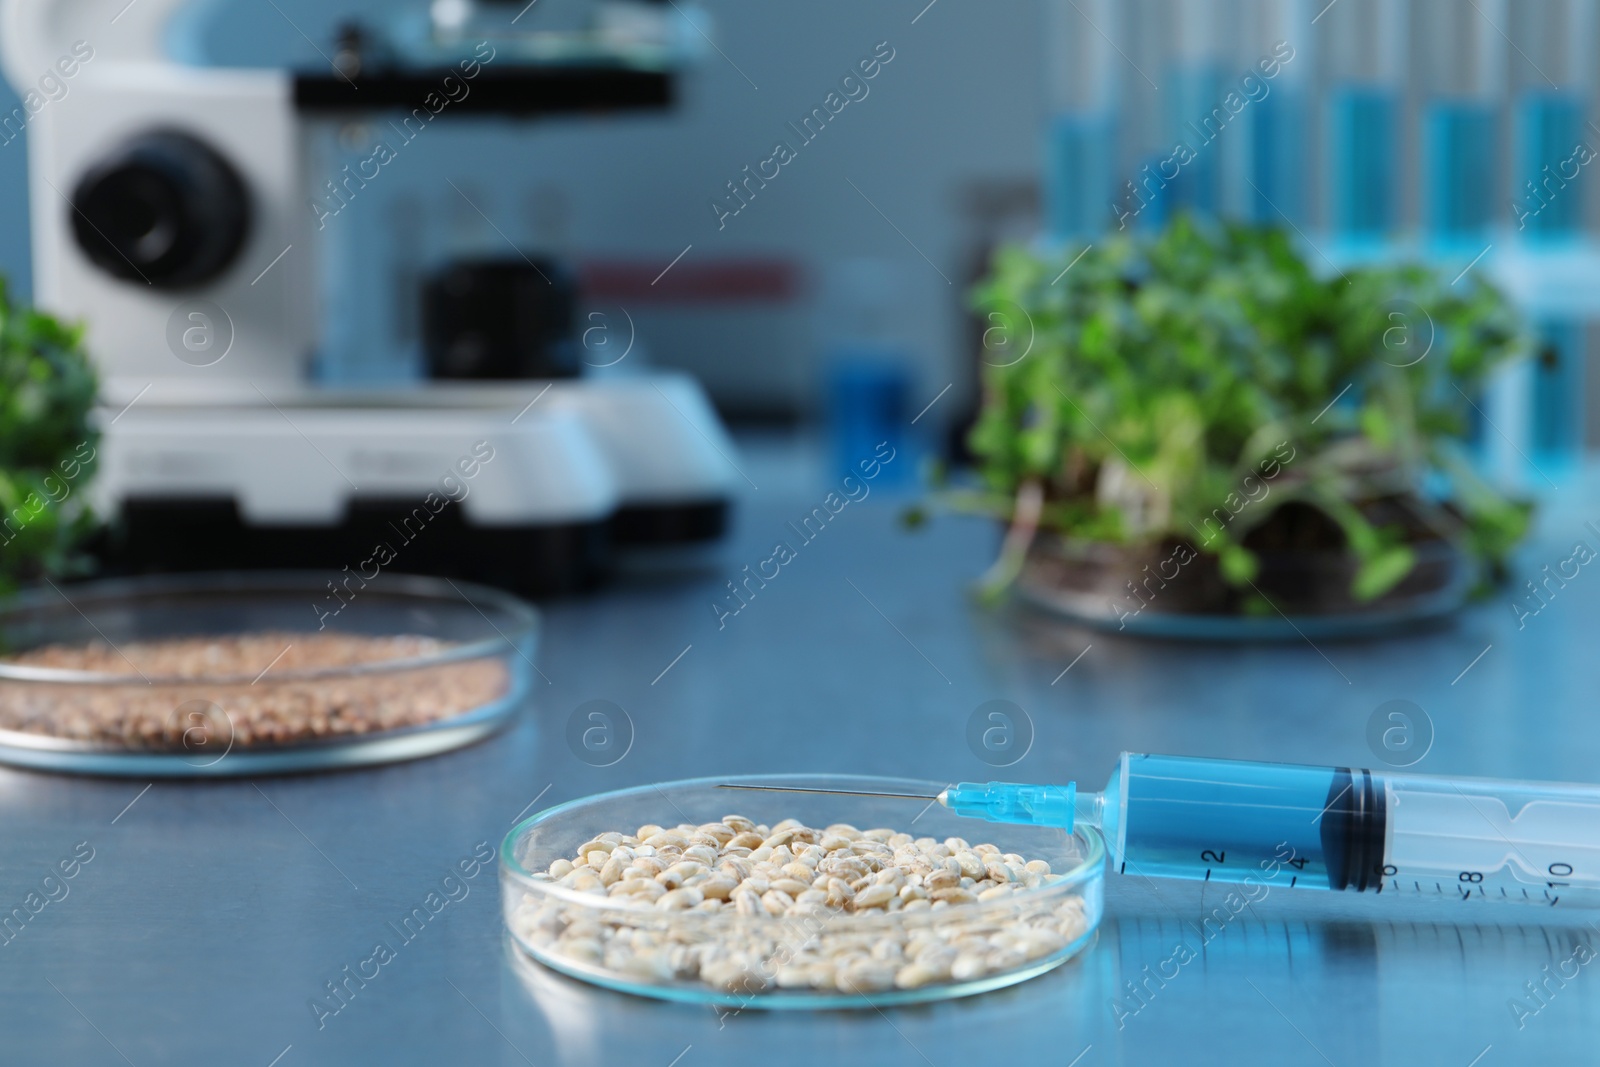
column 262, row 697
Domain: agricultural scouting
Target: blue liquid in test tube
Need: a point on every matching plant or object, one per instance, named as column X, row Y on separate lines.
column 1364, row 49
column 869, row 411
column 1458, row 153
column 1547, row 196
column 1081, row 196
column 1268, row 182
column 1199, row 120
column 1558, row 389
column 1548, row 204
column 1461, row 56
column 1278, row 159
column 1362, row 126
column 1552, row 145
column 1079, row 160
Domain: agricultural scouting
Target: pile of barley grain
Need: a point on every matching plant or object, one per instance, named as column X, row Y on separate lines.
column 798, row 908
column 264, row 699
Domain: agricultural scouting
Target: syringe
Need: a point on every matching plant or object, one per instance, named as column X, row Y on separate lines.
column 1322, row 827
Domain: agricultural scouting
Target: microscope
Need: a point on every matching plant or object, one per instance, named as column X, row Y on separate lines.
column 176, row 212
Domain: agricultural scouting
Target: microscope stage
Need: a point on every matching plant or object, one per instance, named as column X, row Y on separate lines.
column 526, row 485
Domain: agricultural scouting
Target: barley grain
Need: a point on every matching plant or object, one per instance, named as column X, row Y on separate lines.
column 821, row 884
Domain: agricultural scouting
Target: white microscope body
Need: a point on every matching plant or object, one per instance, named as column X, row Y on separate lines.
column 218, row 449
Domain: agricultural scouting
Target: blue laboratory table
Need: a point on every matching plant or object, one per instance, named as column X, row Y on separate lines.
column 211, row 914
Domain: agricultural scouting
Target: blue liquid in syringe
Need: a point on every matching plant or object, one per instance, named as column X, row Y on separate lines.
column 1212, row 820
column 1179, row 818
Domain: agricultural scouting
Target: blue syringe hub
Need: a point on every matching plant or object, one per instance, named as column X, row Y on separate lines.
column 1029, row 805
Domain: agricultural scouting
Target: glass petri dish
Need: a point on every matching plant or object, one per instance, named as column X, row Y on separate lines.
column 222, row 675
column 812, row 957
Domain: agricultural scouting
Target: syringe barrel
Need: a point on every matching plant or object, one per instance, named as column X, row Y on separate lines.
column 1480, row 838
column 1235, row 821
column 1347, row 828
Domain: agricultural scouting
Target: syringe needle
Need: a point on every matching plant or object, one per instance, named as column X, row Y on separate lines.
column 838, row 792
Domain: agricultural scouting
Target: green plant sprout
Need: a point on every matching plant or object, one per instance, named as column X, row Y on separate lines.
column 47, row 445
column 1162, row 371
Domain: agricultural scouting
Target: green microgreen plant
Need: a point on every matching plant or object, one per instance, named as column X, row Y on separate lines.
column 1133, row 386
column 47, row 445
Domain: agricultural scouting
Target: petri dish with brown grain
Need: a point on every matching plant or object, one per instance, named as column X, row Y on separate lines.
column 224, row 675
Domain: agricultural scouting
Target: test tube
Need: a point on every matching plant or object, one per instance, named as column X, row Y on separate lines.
column 1553, row 148
column 1365, row 46
column 1462, row 53
column 1267, row 175
column 1550, row 87
column 1197, row 116
column 1142, row 192
column 869, row 370
column 1080, row 142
